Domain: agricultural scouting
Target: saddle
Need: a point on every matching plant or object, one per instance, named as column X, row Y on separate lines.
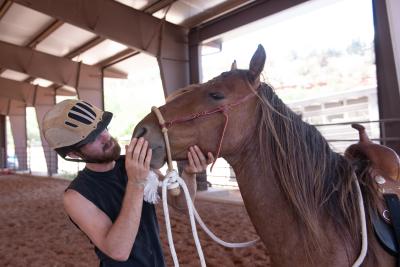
column 385, row 169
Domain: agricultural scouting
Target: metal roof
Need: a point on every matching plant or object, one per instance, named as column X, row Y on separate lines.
column 25, row 27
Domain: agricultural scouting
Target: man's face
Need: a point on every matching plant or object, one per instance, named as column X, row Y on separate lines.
column 103, row 149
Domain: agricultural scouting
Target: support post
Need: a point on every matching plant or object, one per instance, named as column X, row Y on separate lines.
column 3, row 142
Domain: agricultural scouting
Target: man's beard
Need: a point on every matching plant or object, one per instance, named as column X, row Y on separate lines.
column 107, row 155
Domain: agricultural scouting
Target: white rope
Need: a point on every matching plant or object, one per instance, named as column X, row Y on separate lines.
column 168, row 224
column 191, row 216
column 172, row 180
column 206, row 229
column 364, row 245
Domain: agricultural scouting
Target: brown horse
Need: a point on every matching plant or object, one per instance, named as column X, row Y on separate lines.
column 299, row 194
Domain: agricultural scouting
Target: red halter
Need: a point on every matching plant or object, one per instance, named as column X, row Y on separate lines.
column 223, row 109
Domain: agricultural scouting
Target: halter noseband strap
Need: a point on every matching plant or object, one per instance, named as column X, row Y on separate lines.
column 167, row 124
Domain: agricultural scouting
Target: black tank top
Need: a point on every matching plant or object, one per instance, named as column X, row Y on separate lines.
column 106, row 191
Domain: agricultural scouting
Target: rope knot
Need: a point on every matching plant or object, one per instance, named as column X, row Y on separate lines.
column 171, row 178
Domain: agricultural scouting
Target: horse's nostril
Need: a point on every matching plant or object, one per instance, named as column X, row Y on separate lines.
column 140, row 132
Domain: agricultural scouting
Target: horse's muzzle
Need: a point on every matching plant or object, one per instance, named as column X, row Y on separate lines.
column 152, row 134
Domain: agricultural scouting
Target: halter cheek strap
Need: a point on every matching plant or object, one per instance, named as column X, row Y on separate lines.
column 164, row 130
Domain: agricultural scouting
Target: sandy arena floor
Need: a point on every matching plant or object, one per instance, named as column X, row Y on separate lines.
column 35, row 231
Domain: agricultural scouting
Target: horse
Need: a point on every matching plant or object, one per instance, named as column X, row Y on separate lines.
column 299, row 194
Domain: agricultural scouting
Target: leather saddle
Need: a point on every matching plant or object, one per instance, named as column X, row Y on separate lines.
column 385, row 169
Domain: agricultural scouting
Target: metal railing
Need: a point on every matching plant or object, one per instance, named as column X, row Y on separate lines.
column 383, row 140
column 224, row 175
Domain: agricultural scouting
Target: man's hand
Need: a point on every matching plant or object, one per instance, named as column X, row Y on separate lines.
column 137, row 161
column 197, row 162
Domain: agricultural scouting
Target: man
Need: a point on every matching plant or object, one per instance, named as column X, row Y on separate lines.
column 105, row 200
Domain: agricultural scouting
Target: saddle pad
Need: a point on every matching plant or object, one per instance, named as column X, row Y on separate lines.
column 385, row 234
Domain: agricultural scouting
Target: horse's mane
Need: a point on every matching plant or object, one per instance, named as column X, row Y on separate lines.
column 316, row 180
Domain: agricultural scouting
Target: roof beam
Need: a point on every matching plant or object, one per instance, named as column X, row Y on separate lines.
column 56, row 69
column 45, row 33
column 241, row 16
column 125, row 54
column 4, row 8
column 13, row 89
column 86, row 46
column 107, row 63
column 121, row 55
column 92, row 43
column 115, row 21
column 97, row 40
column 158, row 6
column 41, row 36
column 109, row 73
column 213, row 12
column 26, row 92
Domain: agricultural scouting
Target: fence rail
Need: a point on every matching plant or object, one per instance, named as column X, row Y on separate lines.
column 350, row 136
column 32, row 159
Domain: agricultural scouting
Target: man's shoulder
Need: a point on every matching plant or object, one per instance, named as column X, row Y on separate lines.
column 80, row 176
column 80, row 180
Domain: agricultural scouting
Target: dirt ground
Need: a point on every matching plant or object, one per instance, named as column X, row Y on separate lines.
column 35, row 231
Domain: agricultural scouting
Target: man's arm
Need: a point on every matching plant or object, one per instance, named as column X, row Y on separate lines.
column 115, row 240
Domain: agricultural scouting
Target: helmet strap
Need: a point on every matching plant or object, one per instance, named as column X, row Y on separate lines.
column 74, row 160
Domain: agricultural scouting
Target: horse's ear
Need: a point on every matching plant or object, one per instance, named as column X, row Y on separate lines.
column 234, row 65
column 257, row 63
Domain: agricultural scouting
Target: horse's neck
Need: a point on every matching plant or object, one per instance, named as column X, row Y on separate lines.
column 270, row 212
column 265, row 203
column 257, row 188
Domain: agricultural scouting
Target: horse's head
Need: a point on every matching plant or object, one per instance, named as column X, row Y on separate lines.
column 201, row 114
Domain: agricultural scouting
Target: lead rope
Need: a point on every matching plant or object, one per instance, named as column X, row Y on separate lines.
column 172, row 181
column 174, row 175
column 364, row 244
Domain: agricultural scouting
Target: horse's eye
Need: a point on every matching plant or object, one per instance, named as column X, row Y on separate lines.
column 217, row 95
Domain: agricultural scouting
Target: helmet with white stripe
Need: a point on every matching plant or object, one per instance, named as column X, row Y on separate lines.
column 73, row 123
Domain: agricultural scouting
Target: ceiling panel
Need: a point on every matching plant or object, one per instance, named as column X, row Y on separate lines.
column 100, row 52
column 184, row 9
column 14, row 75
column 64, row 40
column 20, row 24
column 42, row 82
column 136, row 65
column 137, row 4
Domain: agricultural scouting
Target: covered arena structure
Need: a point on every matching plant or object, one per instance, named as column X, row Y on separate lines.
column 42, row 39
column 33, row 36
